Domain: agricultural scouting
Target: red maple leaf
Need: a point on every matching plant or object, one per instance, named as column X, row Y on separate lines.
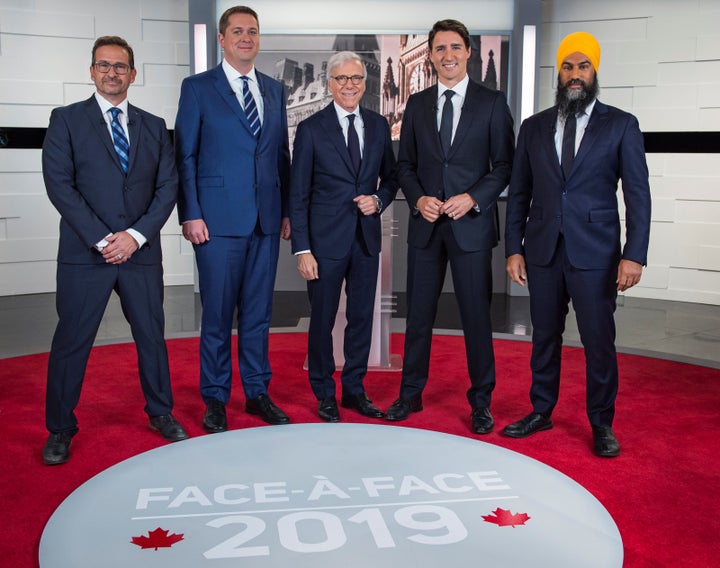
column 159, row 538
column 503, row 518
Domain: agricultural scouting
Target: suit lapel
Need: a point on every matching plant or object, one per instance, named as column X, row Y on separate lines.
column 369, row 133
column 334, row 132
column 227, row 93
column 100, row 127
column 429, row 117
column 134, row 128
column 598, row 121
column 467, row 115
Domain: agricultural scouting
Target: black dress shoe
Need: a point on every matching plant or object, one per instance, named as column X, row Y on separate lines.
column 57, row 448
column 362, row 404
column 401, row 409
column 267, row 410
column 215, row 419
column 328, row 410
column 169, row 428
column 605, row 443
column 533, row 422
column 482, row 420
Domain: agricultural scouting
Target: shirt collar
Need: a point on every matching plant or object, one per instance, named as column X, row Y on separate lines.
column 233, row 75
column 342, row 113
column 106, row 105
column 459, row 89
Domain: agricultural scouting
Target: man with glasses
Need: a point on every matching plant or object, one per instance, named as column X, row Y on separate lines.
column 342, row 179
column 109, row 170
column 231, row 148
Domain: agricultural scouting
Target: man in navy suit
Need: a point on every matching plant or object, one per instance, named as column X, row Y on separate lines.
column 456, row 151
column 109, row 171
column 563, row 234
column 339, row 155
column 232, row 154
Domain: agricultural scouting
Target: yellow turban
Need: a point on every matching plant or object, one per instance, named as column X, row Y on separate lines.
column 582, row 42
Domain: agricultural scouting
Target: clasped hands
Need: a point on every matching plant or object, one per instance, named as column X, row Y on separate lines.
column 120, row 247
column 455, row 207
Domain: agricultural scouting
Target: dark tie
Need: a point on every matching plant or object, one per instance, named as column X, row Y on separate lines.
column 353, row 143
column 568, row 145
column 446, row 122
column 120, row 141
column 251, row 110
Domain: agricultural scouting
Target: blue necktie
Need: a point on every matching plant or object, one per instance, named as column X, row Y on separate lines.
column 353, row 143
column 251, row 110
column 568, row 145
column 120, row 141
column 446, row 122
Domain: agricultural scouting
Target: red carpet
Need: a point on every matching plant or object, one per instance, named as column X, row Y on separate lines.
column 662, row 491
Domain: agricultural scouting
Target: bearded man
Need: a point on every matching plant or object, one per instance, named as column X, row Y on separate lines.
column 563, row 234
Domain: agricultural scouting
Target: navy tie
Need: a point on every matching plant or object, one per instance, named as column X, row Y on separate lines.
column 251, row 110
column 120, row 141
column 353, row 143
column 446, row 122
column 568, row 145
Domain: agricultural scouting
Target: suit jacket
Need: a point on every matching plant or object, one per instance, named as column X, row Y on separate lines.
column 227, row 176
column 323, row 185
column 86, row 184
column 585, row 205
column 479, row 162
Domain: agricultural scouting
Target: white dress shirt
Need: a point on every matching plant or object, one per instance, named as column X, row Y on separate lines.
column 233, row 77
column 105, row 107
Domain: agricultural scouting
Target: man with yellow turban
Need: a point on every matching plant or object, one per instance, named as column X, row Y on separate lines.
column 562, row 234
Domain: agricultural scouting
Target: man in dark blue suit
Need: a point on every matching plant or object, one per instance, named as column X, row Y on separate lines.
column 456, row 151
column 563, row 234
column 335, row 205
column 232, row 155
column 109, row 171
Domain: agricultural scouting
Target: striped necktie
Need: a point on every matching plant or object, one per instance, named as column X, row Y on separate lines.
column 120, row 141
column 251, row 110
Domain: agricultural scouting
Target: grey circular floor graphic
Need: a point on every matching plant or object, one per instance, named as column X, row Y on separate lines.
column 322, row 495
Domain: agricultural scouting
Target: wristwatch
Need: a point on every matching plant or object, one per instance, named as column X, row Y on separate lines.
column 378, row 203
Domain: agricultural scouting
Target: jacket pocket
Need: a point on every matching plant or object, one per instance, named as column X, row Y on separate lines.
column 604, row 216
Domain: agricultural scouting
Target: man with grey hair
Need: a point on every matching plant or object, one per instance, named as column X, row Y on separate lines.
column 342, row 179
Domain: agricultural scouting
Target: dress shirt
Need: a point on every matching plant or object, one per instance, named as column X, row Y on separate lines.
column 344, row 124
column 233, row 77
column 105, row 107
column 457, row 102
column 582, row 121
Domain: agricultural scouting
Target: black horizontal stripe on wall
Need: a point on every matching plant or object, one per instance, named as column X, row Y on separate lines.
column 655, row 142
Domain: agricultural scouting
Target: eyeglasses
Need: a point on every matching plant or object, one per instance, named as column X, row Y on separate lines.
column 104, row 67
column 343, row 79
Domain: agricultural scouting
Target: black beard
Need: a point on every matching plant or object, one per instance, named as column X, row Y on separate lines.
column 566, row 105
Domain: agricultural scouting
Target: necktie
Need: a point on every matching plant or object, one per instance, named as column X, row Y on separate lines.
column 446, row 122
column 120, row 141
column 353, row 143
column 251, row 110
column 568, row 145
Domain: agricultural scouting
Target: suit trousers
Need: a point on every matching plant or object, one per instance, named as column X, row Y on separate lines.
column 358, row 269
column 236, row 273
column 472, row 280
column 593, row 294
column 82, row 294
